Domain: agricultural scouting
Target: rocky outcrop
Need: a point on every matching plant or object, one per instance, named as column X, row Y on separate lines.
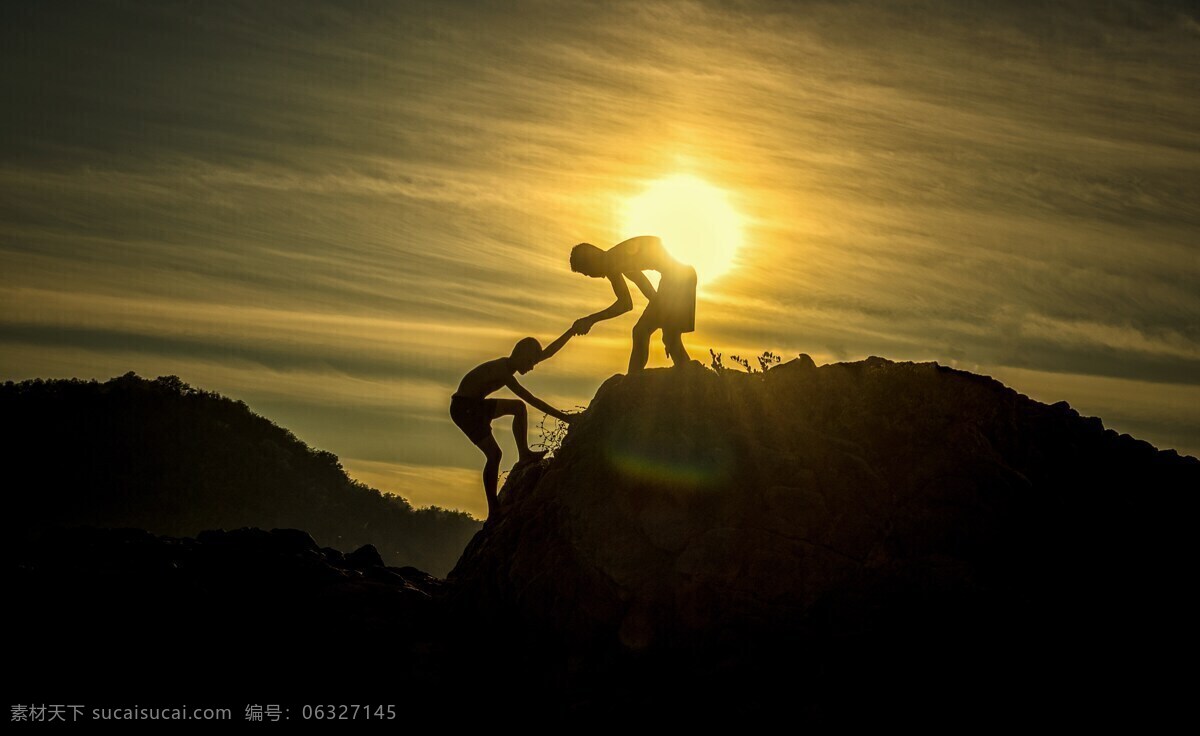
column 890, row 513
column 112, row 613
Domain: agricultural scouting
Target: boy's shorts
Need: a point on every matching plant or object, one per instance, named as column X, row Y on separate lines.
column 473, row 416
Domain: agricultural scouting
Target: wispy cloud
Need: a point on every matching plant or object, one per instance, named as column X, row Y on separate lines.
column 333, row 211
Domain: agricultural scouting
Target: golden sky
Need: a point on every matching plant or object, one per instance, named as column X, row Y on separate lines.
column 333, row 210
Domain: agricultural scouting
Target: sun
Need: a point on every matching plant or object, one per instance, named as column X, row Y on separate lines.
column 697, row 224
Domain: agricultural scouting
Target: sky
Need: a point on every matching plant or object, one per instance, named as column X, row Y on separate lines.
column 331, row 211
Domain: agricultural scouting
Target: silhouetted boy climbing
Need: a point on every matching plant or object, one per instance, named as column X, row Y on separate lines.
column 473, row 412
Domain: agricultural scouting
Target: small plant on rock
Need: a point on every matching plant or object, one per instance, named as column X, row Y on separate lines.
column 766, row 361
column 553, row 432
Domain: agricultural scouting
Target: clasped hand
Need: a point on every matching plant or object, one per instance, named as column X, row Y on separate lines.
column 581, row 326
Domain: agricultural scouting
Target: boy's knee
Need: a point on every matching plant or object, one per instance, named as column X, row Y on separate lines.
column 641, row 332
column 509, row 407
column 494, row 454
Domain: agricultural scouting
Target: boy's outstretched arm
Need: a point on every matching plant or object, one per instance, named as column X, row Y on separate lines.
column 623, row 304
column 639, row 279
column 534, row 401
column 549, row 351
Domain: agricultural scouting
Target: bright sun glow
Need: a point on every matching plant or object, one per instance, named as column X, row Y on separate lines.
column 694, row 219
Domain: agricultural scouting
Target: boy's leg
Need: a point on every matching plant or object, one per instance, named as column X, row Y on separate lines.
column 520, row 427
column 642, row 331
column 491, row 469
column 675, row 350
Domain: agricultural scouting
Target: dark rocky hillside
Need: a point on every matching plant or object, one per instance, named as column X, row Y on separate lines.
column 859, row 542
column 121, row 615
column 163, row 456
column 864, row 527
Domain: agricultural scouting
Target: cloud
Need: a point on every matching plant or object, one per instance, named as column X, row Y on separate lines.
column 336, row 211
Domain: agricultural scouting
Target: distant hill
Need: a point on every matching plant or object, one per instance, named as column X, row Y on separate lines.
column 163, row 456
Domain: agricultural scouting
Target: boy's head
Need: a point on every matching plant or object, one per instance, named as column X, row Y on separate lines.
column 525, row 354
column 587, row 260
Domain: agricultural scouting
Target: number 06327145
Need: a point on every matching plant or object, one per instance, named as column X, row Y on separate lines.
column 348, row 712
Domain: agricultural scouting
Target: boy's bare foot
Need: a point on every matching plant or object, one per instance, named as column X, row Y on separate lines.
column 531, row 457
